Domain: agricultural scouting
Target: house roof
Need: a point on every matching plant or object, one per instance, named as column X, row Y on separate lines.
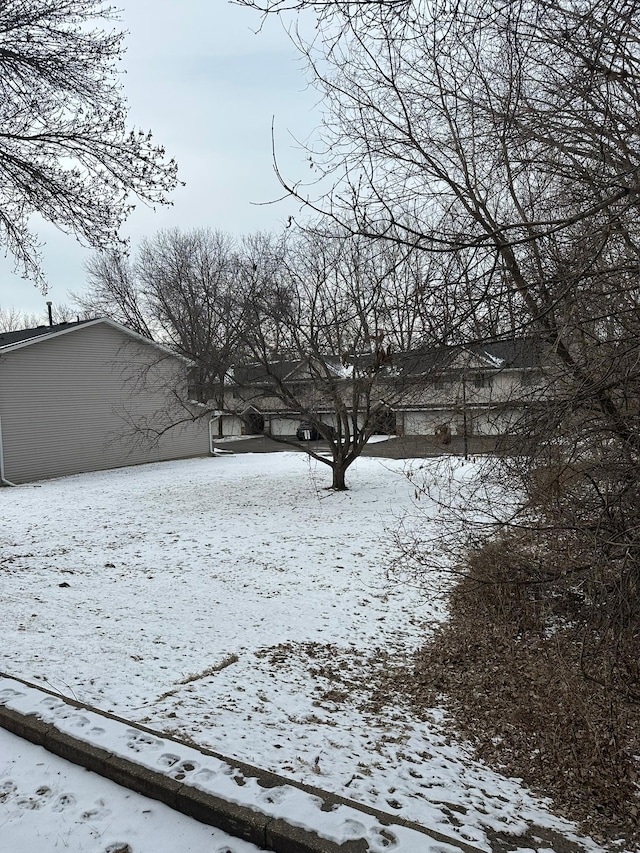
column 10, row 341
column 8, row 338
column 515, row 354
column 285, row 369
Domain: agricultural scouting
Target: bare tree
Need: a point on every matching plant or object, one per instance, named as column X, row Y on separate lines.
column 115, row 292
column 329, row 335
column 65, row 149
column 194, row 288
column 186, row 290
column 504, row 135
column 12, row 320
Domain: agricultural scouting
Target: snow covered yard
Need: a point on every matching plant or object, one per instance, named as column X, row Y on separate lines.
column 236, row 603
column 47, row 804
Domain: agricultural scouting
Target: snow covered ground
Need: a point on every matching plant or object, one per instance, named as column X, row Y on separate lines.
column 47, row 804
column 236, row 603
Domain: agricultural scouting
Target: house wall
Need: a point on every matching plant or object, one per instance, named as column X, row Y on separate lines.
column 283, row 426
column 231, row 425
column 487, row 407
column 425, row 422
column 70, row 404
column 494, row 422
column 426, row 403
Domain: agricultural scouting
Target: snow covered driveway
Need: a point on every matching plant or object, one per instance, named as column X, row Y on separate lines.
column 237, row 603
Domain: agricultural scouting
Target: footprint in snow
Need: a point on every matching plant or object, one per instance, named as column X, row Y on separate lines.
column 353, row 829
column 53, row 704
column 8, row 693
column 183, row 769
column 63, row 802
column 204, row 775
column 29, row 803
column 137, row 741
column 36, row 801
column 385, row 838
column 99, row 810
column 167, row 759
column 7, row 790
column 274, row 795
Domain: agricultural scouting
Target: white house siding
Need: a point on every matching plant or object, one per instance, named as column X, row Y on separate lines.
column 425, row 422
column 283, row 426
column 494, row 422
column 416, row 423
column 68, row 403
column 231, row 425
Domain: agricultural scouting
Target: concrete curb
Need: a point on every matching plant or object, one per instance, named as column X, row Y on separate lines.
column 239, row 820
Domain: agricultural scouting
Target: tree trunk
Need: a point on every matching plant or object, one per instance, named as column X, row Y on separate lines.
column 338, row 478
column 219, row 398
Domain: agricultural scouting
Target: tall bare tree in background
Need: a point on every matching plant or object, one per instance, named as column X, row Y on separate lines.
column 12, row 320
column 184, row 289
column 65, row 149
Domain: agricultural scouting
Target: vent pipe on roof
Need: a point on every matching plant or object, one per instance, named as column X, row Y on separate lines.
column 49, row 304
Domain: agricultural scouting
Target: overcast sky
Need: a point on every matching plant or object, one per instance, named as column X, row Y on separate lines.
column 208, row 86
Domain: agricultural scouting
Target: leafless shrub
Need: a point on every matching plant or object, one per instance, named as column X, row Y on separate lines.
column 508, row 663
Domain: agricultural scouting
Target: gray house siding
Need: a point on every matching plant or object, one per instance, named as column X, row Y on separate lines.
column 70, row 403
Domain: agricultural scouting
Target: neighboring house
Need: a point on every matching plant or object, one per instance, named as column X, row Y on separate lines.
column 476, row 390
column 252, row 406
column 480, row 389
column 91, row 395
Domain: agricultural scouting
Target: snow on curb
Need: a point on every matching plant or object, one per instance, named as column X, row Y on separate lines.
column 260, row 807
